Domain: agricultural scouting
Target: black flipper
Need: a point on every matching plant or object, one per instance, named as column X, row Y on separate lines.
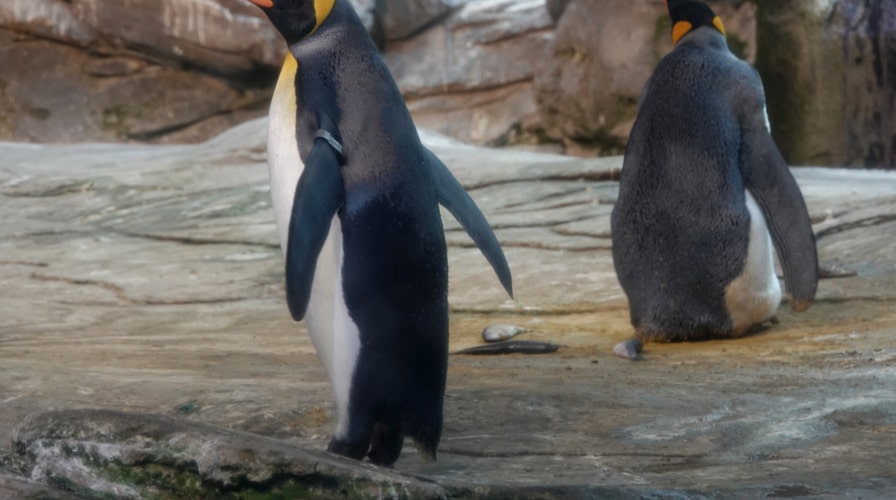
column 320, row 192
column 768, row 178
column 453, row 197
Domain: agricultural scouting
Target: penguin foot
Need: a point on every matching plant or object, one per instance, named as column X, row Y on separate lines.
column 630, row 349
column 385, row 445
column 355, row 450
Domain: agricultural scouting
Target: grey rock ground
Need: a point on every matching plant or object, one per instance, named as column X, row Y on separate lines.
column 147, row 280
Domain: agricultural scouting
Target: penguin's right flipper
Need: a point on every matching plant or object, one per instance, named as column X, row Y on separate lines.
column 453, row 197
column 320, row 192
column 768, row 178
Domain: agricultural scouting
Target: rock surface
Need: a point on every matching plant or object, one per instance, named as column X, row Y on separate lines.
column 148, row 280
column 106, row 453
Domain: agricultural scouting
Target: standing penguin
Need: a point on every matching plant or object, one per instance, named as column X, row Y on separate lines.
column 356, row 197
column 703, row 186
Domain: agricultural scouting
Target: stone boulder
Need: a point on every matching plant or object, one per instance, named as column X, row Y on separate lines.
column 117, row 70
column 471, row 75
column 561, row 74
column 602, row 53
column 113, row 454
column 226, row 37
column 830, row 73
column 483, row 71
column 401, row 19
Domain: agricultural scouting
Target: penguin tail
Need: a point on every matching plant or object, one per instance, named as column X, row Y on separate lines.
column 427, row 448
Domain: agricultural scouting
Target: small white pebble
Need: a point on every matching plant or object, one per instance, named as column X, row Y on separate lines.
column 630, row 349
column 497, row 333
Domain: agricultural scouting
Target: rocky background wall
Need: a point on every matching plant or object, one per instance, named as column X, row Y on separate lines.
column 564, row 75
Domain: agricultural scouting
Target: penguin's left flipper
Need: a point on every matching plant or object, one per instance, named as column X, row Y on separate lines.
column 768, row 178
column 320, row 193
column 453, row 197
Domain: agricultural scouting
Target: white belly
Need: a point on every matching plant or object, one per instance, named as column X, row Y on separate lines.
column 334, row 335
column 754, row 296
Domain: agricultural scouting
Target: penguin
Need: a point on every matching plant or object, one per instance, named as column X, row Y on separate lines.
column 704, row 196
column 356, row 199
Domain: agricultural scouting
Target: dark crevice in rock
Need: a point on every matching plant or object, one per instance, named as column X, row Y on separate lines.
column 450, row 90
column 855, row 298
column 540, row 199
column 513, row 35
column 538, row 246
column 601, row 176
column 524, row 225
column 50, row 192
column 44, row 234
column 520, row 311
column 447, row 450
column 523, row 208
column 151, row 135
column 436, row 20
column 548, row 224
column 861, row 223
column 569, row 232
column 185, row 240
column 22, row 263
column 120, row 294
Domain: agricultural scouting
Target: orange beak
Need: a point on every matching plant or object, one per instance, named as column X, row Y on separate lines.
column 264, row 4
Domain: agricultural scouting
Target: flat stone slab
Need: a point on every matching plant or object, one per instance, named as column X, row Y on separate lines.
column 145, row 282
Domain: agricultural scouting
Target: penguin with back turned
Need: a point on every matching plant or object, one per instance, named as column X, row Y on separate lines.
column 356, row 197
column 703, row 194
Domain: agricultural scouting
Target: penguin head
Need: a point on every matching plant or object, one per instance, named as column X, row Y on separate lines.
column 295, row 19
column 688, row 15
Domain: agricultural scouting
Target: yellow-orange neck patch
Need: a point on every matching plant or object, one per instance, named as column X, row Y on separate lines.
column 717, row 22
column 287, row 73
column 322, row 9
column 680, row 29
